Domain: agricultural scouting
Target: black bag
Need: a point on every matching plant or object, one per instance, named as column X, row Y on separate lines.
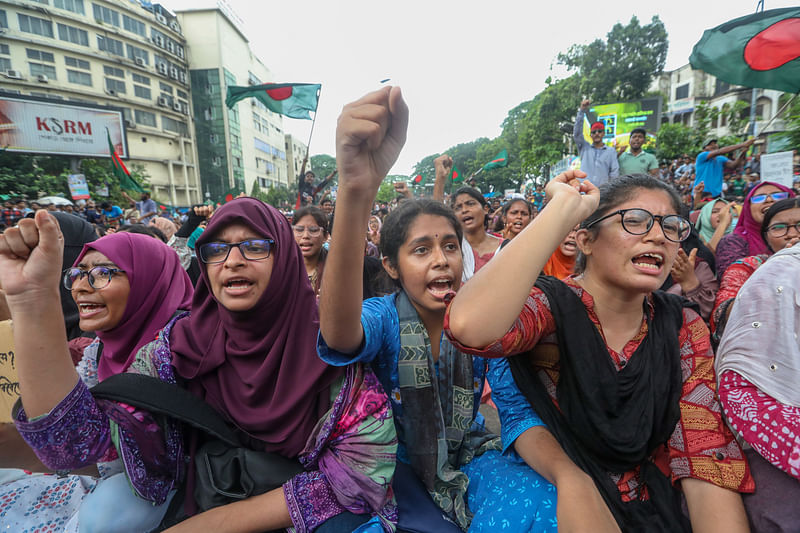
column 226, row 470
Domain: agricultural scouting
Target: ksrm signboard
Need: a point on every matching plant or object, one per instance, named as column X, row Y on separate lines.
column 45, row 127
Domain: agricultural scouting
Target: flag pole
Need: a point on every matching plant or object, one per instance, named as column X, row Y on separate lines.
column 779, row 112
column 313, row 121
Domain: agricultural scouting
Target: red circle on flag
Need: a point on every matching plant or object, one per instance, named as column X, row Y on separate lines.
column 281, row 93
column 774, row 46
column 418, row 179
column 228, row 197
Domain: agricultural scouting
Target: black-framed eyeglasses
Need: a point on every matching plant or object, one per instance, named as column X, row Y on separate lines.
column 99, row 277
column 780, row 229
column 640, row 221
column 251, row 249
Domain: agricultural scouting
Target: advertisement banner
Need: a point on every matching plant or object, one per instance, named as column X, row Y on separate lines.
column 778, row 168
column 78, row 187
column 45, row 127
column 622, row 118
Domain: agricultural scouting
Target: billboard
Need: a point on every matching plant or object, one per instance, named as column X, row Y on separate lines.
column 622, row 118
column 46, row 127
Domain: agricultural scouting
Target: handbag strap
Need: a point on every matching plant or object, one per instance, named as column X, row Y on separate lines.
column 166, row 399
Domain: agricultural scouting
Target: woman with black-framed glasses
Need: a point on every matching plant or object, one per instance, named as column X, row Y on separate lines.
column 310, row 231
column 619, row 371
column 126, row 287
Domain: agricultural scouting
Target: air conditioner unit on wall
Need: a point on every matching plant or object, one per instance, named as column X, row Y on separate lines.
column 175, row 26
column 176, row 106
column 131, row 125
column 163, row 68
column 14, row 74
column 182, row 76
column 139, row 61
column 163, row 102
column 41, row 78
column 173, row 73
column 161, row 18
column 160, row 41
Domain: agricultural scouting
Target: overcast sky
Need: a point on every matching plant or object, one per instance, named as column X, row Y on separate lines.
column 462, row 64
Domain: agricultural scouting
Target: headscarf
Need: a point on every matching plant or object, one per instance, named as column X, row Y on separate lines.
column 258, row 367
column 703, row 224
column 77, row 232
column 559, row 265
column 748, row 228
column 159, row 288
column 166, row 226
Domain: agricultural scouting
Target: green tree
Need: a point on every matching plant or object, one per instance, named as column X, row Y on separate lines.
column 792, row 117
column 675, row 140
column 323, row 165
column 386, row 192
column 621, row 67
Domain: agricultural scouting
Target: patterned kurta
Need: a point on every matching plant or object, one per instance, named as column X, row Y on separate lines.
column 701, row 446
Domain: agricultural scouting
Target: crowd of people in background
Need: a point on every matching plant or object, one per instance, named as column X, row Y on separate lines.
column 632, row 325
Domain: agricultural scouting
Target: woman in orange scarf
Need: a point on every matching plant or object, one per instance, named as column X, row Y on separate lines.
column 562, row 263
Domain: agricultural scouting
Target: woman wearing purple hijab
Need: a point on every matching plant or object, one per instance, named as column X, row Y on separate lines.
column 248, row 348
column 746, row 239
column 126, row 287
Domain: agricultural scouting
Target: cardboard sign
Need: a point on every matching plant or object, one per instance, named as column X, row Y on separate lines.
column 9, row 383
column 778, row 168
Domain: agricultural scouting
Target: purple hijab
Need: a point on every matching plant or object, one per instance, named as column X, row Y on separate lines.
column 748, row 228
column 159, row 288
column 258, row 367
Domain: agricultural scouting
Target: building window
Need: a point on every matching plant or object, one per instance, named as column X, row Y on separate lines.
column 134, row 25
column 39, row 55
column 135, row 51
column 114, row 72
column 73, row 35
column 175, row 126
column 39, row 69
column 3, row 19
column 5, row 64
column 138, row 78
column 45, row 2
column 112, row 46
column 115, row 86
column 721, row 87
column 146, row 118
column 35, row 25
column 78, row 77
column 75, row 62
column 181, row 94
column 165, row 88
column 104, row 14
column 682, row 92
column 76, row 6
column 142, row 92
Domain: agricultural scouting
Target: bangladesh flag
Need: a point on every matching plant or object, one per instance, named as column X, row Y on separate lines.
column 418, row 180
column 456, row 176
column 760, row 50
column 500, row 160
column 294, row 100
column 120, row 170
column 230, row 194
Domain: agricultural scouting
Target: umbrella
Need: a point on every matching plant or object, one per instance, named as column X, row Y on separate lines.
column 57, row 200
column 761, row 50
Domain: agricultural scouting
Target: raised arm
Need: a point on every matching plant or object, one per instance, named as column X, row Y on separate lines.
column 30, row 271
column 728, row 149
column 484, row 309
column 443, row 166
column 577, row 130
column 369, row 136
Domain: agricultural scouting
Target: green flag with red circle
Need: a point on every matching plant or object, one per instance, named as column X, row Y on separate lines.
column 294, row 100
column 456, row 176
column 761, row 50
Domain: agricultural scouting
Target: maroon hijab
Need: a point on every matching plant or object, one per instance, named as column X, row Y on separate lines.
column 259, row 367
column 748, row 228
column 159, row 288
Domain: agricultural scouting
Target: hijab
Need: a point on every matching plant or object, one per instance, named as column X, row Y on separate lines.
column 159, row 288
column 166, row 226
column 77, row 232
column 748, row 228
column 559, row 265
column 258, row 367
column 703, row 224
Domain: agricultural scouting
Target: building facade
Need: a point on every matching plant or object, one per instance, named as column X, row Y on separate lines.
column 296, row 152
column 245, row 144
column 114, row 53
column 685, row 88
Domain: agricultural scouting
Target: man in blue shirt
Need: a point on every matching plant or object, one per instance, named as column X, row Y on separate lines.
column 711, row 162
column 597, row 160
column 111, row 213
column 147, row 207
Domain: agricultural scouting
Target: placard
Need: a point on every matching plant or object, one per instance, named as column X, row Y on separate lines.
column 9, row 383
column 777, row 167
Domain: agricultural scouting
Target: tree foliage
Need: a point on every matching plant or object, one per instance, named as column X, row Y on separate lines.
column 621, row 67
column 792, row 117
column 323, row 165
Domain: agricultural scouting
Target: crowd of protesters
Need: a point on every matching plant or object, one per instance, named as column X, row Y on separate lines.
column 241, row 369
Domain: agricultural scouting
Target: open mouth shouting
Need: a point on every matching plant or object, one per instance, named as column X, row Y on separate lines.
column 649, row 263
column 90, row 309
column 238, row 285
column 440, row 287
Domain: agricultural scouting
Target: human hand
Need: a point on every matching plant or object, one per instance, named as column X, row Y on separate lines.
column 683, row 270
column 698, row 189
column 204, row 211
column 401, row 187
column 585, row 104
column 569, row 185
column 581, row 508
column 30, row 257
column 725, row 217
column 749, row 142
column 370, row 133
column 443, row 163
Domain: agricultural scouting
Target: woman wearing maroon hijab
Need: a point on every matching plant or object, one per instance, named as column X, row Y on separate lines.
column 126, row 287
column 249, row 349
